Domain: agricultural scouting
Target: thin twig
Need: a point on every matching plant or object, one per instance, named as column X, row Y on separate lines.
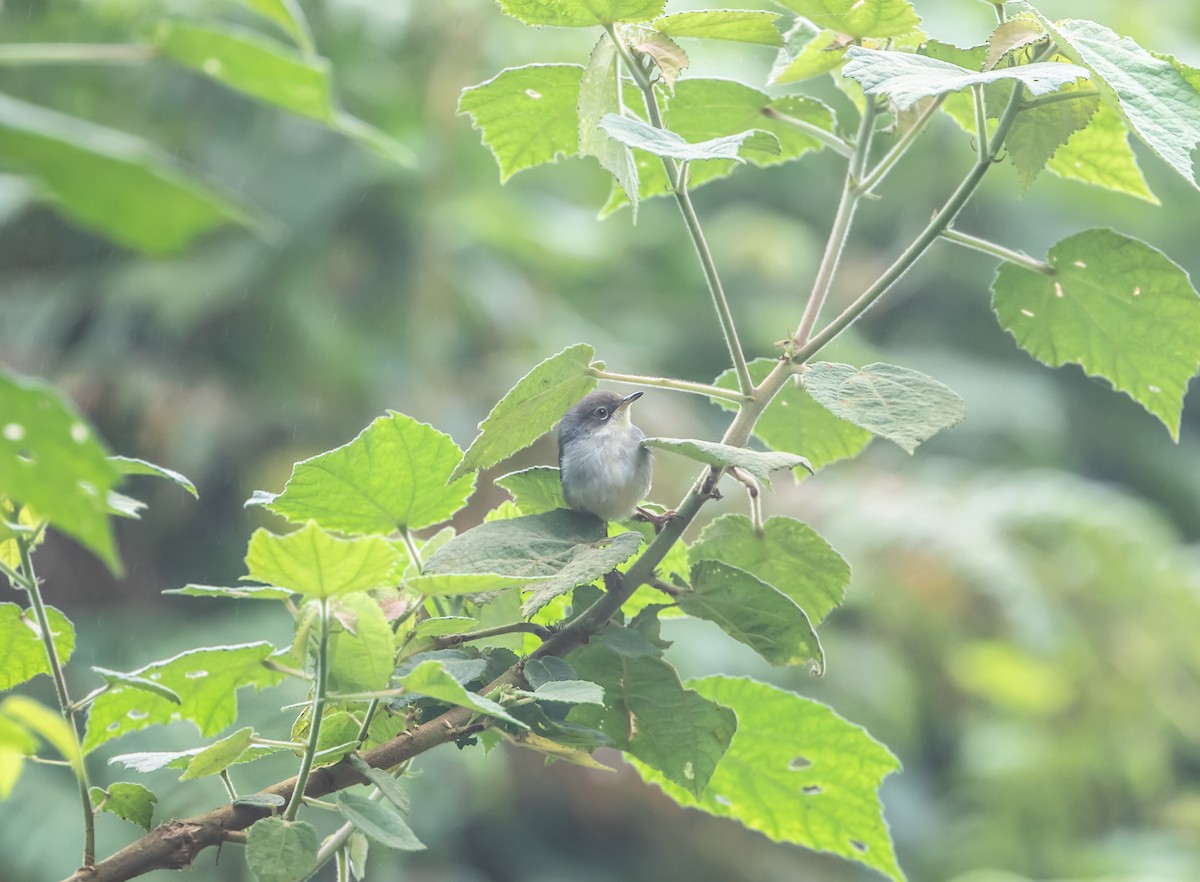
column 670, row 383
column 447, row 640
column 829, row 139
column 1019, row 258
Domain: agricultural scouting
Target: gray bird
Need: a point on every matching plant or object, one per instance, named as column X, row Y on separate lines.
column 603, row 467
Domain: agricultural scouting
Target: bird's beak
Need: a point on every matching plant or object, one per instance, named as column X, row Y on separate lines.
column 629, row 399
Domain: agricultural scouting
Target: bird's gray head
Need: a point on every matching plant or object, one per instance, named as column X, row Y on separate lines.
column 597, row 412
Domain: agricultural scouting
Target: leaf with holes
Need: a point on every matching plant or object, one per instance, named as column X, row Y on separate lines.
column 796, row 772
column 1117, row 307
column 897, row 403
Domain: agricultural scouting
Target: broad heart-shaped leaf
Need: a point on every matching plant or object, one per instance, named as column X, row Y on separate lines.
column 740, row 25
column 661, row 142
column 270, row 71
column 897, row 403
column 1115, row 306
column 112, row 183
column 397, row 474
column 281, row 851
column 531, row 408
column 129, row 466
column 650, row 715
column 752, row 612
column 905, row 77
column 52, row 461
column 795, row 772
column 319, row 564
column 130, row 802
column 535, row 490
column 859, row 18
column 431, row 678
column 22, row 654
column 793, row 422
column 361, row 652
column 598, row 97
column 287, row 15
column 758, row 463
column 1099, row 154
column 554, row 552
column 576, row 14
column 379, row 821
column 527, row 115
column 807, row 51
column 790, row 556
column 219, row 756
column 206, row 681
column 1153, row 93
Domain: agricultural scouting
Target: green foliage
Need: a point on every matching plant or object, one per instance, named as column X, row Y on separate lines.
column 319, row 565
column 361, row 653
column 130, row 802
column 633, row 132
column 219, row 756
column 281, row 851
column 568, row 14
column 22, row 655
column 431, row 678
column 535, row 490
column 879, row 18
column 739, row 25
column 379, row 821
column 756, row 462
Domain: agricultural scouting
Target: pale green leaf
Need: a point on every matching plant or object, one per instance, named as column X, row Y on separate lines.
column 576, row 14
column 361, row 652
column 1099, row 154
column 287, row 15
column 807, row 52
column 112, row 183
column 905, row 77
column 650, row 715
column 152, row 761
column 1040, row 131
column 116, row 678
column 52, row 461
column 129, row 466
column 432, row 679
column 16, row 743
column 530, row 408
column 382, row 779
column 740, row 25
column 752, row 612
column 793, row 422
column 661, row 142
column 218, row 756
column 439, row 626
column 758, row 463
column 668, row 56
column 47, row 724
column 319, row 564
column 528, row 115
column 22, row 653
column 130, row 802
column 397, row 474
column 234, row 592
column 859, row 18
column 1117, row 307
column 535, row 490
column 598, row 97
column 379, row 821
column 1009, row 35
column 281, row 851
column 451, row 584
column 796, row 772
column 788, row 555
column 206, row 681
column 897, row 403
column 569, row 692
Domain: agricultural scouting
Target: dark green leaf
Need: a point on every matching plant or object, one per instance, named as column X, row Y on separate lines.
column 318, row 564
column 281, row 851
column 270, row 801
column 22, row 653
column 758, row 463
column 130, row 802
column 379, row 821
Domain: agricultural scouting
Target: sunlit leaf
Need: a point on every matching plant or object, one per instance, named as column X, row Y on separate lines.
column 22, row 653
column 662, row 142
column 218, row 756
column 668, row 56
column 758, row 463
column 319, row 564
column 1099, row 154
column 288, row 15
column 129, row 466
column 361, row 651
column 47, row 724
column 535, row 490
column 807, row 52
column 573, row 14
column 859, row 18
column 130, row 802
column 740, row 25
column 431, row 678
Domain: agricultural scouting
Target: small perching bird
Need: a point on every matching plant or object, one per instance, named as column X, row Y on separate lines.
column 603, row 467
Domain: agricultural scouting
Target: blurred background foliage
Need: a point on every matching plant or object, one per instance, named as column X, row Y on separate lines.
column 1021, row 624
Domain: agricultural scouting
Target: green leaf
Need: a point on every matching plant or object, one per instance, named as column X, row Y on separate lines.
column 235, row 592
column 796, row 772
column 281, row 851
column 598, row 97
column 905, row 77
column 531, row 408
column 129, row 466
column 218, row 756
column 1153, row 93
column 116, row 678
column 528, row 115
column 361, row 653
column 22, row 654
column 356, row 852
column 1038, row 132
column 650, row 715
column 553, row 552
column 535, row 490
column 1099, row 154
column 129, row 802
column 741, row 25
column 379, row 821
column 52, row 461
column 452, row 584
column 432, row 679
column 152, row 761
column 576, row 14
column 807, row 52
column 789, row 556
column 661, row 142
column 1117, row 307
column 206, row 681
column 47, row 724
column 897, row 403
column 1010, row 35
column 795, row 423
column 397, row 474
column 287, row 15
column 758, row 463
column 386, row 783
column 318, row 564
column 112, row 183
column 752, row 612
column 439, row 626
column 269, row 801
column 569, row 692
column 859, row 18
column 262, row 68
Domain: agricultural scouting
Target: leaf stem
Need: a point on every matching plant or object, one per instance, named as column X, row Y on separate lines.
column 318, row 708
column 448, row 640
column 903, row 143
column 1019, row 258
column 30, row 583
column 981, row 132
column 228, row 782
column 829, row 139
column 75, row 53
column 1055, row 97
column 670, row 383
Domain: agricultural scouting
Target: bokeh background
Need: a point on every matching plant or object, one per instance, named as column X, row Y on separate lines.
column 1021, row 628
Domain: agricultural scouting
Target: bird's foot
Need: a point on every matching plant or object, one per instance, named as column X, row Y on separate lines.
column 657, row 520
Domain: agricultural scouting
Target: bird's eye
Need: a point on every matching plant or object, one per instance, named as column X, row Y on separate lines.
column 601, row 413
